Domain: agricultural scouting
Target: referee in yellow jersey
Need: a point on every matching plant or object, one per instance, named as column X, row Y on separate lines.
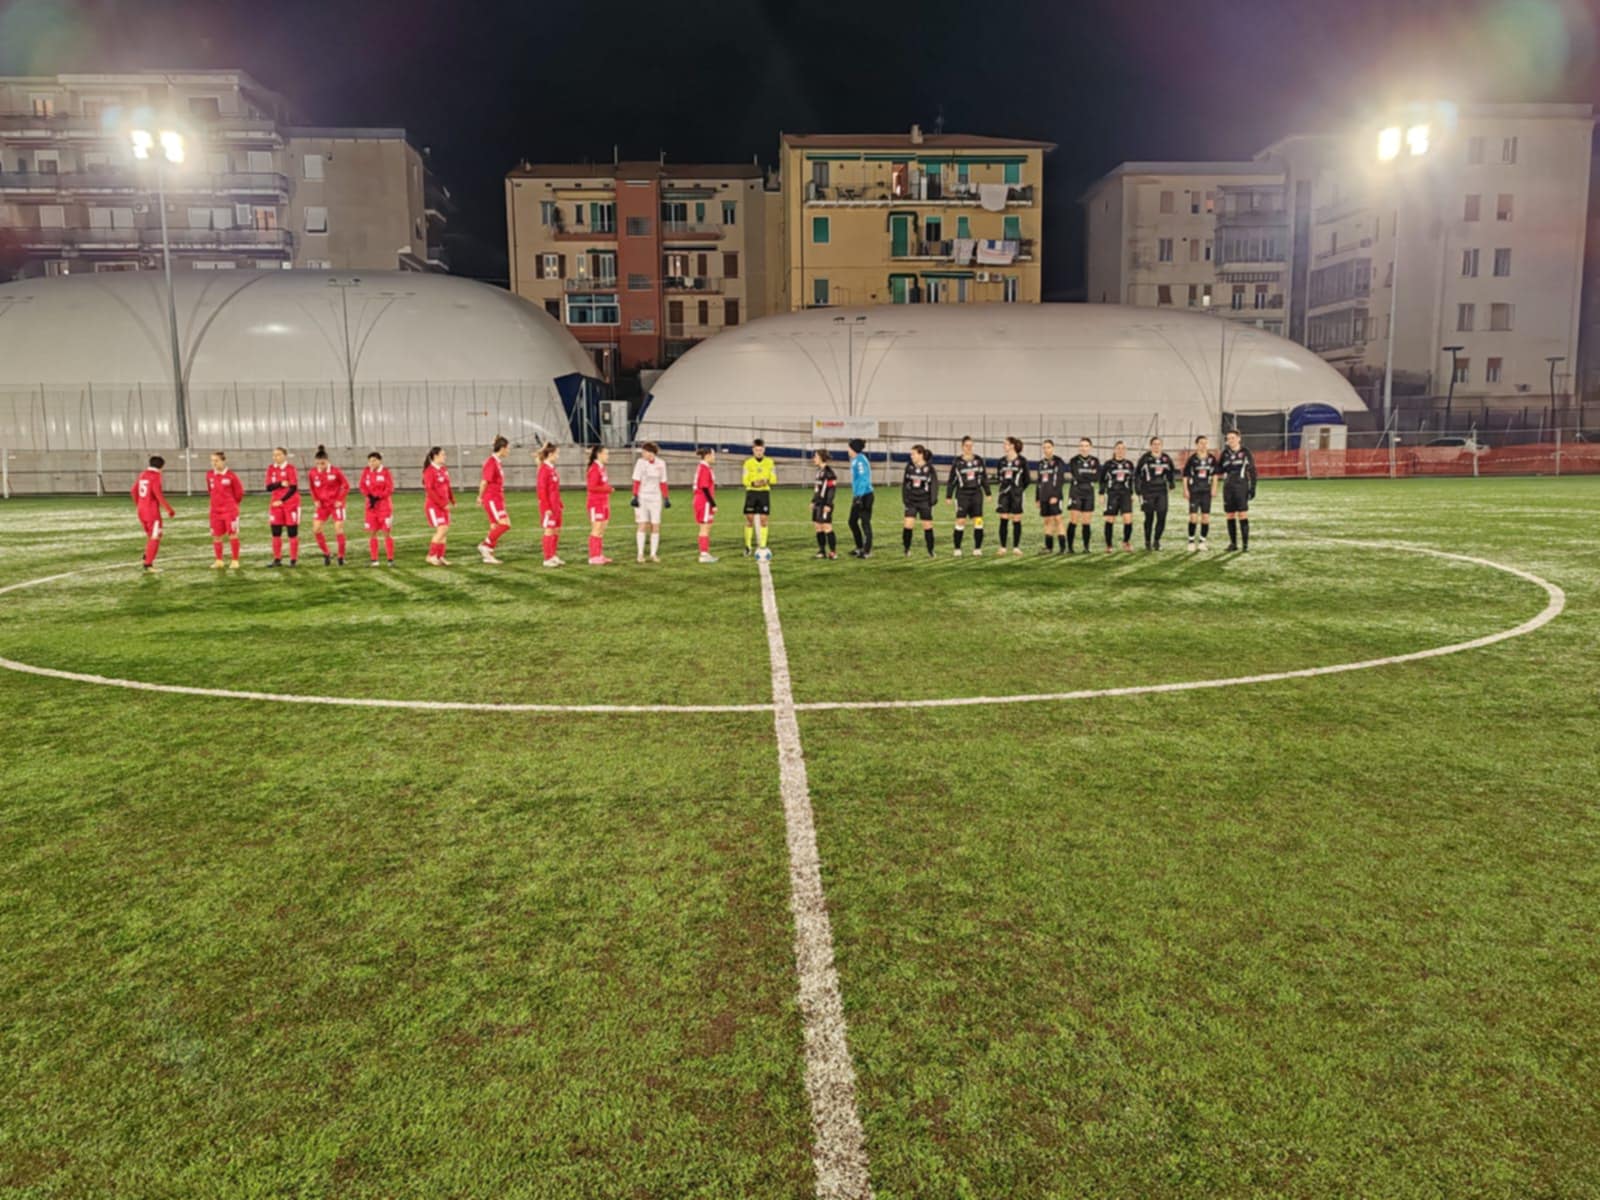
column 759, row 477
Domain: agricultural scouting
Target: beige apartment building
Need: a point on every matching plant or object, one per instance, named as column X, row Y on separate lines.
column 911, row 218
column 254, row 189
column 641, row 260
column 1487, row 224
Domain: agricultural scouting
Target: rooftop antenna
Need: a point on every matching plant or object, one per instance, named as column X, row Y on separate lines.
column 938, row 120
column 615, row 155
column 663, row 158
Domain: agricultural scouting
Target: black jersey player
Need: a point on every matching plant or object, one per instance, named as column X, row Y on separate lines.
column 1158, row 475
column 917, row 494
column 1011, row 474
column 1116, row 484
column 1199, row 472
column 1083, row 478
column 822, row 495
column 1050, row 482
column 966, row 487
column 1237, row 466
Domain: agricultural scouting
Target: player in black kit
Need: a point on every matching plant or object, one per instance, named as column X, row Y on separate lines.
column 1083, row 477
column 916, row 492
column 1011, row 472
column 1049, row 482
column 1116, row 484
column 822, row 496
column 1198, row 474
column 1238, row 470
column 1158, row 475
column 967, row 486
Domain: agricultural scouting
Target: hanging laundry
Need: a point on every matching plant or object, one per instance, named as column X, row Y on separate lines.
column 992, row 196
column 995, row 253
column 963, row 249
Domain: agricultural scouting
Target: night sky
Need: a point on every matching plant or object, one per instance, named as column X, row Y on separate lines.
column 485, row 83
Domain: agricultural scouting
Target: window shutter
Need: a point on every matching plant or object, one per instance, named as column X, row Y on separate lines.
column 701, row 266
column 730, row 264
column 561, row 266
column 538, row 266
column 730, row 312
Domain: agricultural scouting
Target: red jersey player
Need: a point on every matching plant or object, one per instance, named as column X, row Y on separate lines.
column 438, row 496
column 283, row 513
column 146, row 493
column 329, row 487
column 227, row 492
column 599, row 501
column 550, row 503
column 705, row 501
column 377, row 485
column 492, row 497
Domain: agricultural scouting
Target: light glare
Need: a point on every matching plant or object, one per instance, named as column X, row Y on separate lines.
column 172, row 144
column 1417, row 139
column 142, row 141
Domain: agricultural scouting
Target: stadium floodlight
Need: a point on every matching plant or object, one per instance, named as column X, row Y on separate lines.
column 1417, row 139
column 172, row 152
column 1389, row 143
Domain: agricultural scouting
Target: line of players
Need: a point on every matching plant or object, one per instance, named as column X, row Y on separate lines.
column 1074, row 483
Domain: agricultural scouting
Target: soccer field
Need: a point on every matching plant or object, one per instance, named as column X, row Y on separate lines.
column 1297, row 934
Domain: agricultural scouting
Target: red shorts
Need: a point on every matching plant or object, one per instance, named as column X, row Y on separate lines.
column 225, row 526
column 599, row 510
column 704, row 514
column 438, row 518
column 284, row 514
column 380, row 520
column 550, row 518
column 330, row 510
column 495, row 508
column 152, row 525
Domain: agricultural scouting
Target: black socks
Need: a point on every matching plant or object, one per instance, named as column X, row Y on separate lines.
column 977, row 538
column 927, row 536
column 905, row 539
column 1244, row 532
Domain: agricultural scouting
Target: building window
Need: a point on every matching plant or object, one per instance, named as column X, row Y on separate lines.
column 819, row 174
column 548, row 215
column 638, row 283
column 1009, row 289
column 553, row 307
column 1500, row 317
column 642, row 325
column 933, row 229
column 1194, row 295
column 203, row 108
column 56, row 266
column 1194, row 204
column 1502, row 207
column 1508, row 150
column 311, row 167
column 43, row 106
column 1164, row 250
column 602, row 217
column 1502, row 262
column 47, row 162
column 1463, row 372
column 1164, row 293
column 819, row 232
column 210, row 264
column 552, row 266
column 1474, row 151
column 592, row 308
column 730, row 264
column 1013, row 173
column 1211, row 202
column 1466, row 316
column 730, row 312
column 703, row 312
column 1194, row 249
column 638, row 227
column 603, row 266
column 316, row 219
column 730, row 212
column 1167, row 202
column 1470, row 209
column 1469, row 264
column 963, row 227
column 1012, row 229
column 1205, row 294
column 819, row 291
column 1491, row 370
column 577, row 215
column 1261, row 295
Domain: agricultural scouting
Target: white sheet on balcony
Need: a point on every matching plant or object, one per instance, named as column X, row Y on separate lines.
column 962, row 250
column 996, row 253
column 992, row 196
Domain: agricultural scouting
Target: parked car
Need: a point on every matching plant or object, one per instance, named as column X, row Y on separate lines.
column 1467, row 445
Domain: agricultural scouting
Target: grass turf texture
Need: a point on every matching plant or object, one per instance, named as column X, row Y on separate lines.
column 1324, row 937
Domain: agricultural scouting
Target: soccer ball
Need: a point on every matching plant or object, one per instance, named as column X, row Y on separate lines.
column 763, row 555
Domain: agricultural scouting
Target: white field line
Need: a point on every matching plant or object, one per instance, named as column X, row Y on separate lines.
column 1556, row 602
column 838, row 1150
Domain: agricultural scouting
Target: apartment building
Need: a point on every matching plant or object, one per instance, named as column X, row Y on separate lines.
column 1487, row 225
column 911, row 218
column 254, row 189
column 640, row 260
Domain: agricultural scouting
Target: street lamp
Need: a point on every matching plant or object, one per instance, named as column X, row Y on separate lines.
column 164, row 148
column 850, row 360
column 1553, row 359
column 1451, row 394
column 1414, row 141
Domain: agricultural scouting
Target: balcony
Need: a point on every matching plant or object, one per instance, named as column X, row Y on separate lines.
column 276, row 240
column 944, row 251
column 882, row 192
column 129, row 183
column 582, row 233
column 587, row 283
column 690, row 229
column 226, row 128
column 691, row 283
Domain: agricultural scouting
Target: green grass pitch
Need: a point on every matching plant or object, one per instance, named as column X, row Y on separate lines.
column 1321, row 937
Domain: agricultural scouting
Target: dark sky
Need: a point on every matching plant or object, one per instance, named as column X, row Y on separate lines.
column 485, row 83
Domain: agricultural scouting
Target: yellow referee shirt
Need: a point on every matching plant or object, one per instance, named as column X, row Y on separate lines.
column 759, row 474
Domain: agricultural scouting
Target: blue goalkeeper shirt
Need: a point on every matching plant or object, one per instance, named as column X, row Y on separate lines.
column 860, row 476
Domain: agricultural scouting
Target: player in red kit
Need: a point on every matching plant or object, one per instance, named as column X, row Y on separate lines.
column 227, row 492
column 329, row 487
column 283, row 513
column 438, row 497
column 492, row 497
column 550, row 503
column 377, row 485
column 599, row 491
column 146, row 493
column 705, row 501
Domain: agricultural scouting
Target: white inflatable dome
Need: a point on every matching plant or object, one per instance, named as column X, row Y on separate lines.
column 278, row 356
column 939, row 371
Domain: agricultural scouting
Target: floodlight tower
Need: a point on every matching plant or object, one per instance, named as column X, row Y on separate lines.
column 171, row 153
column 1414, row 141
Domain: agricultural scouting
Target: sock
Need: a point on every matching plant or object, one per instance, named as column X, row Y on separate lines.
column 341, row 545
column 1149, row 525
column 1016, row 535
column 705, row 543
column 549, row 545
column 905, row 539
column 233, row 544
column 1127, row 533
column 977, row 538
column 762, row 536
column 596, row 547
column 216, row 548
column 833, row 542
column 1062, row 545
column 322, row 542
column 960, row 533
column 1005, row 534
column 294, row 549
column 1161, row 524
column 822, row 542
column 1233, row 531
column 638, row 537
column 1244, row 531
column 927, row 537
column 1072, row 533
column 1205, row 529
column 1108, row 535
column 388, row 547
column 1191, row 531
column 655, row 543
column 496, row 532
column 749, row 536
column 372, row 545
column 1049, row 543
column 277, row 547
column 150, row 548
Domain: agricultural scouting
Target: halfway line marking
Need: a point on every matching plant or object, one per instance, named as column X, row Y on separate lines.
column 838, row 1151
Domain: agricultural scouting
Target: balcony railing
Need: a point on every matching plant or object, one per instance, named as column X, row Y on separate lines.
column 691, row 283
column 131, row 183
column 591, row 283
column 943, row 250
column 124, row 238
column 695, row 229
column 562, row 232
column 225, row 127
column 883, row 192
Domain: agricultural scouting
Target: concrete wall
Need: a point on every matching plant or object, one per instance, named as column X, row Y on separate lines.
column 372, row 190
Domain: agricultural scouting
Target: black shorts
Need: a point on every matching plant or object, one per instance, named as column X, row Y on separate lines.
column 1118, row 503
column 821, row 514
column 919, row 510
column 758, row 502
column 1082, row 500
column 1156, row 501
column 1009, row 504
column 1235, row 497
column 968, row 506
column 1049, row 506
column 1200, row 502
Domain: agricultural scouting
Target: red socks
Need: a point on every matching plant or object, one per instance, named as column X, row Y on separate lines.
column 294, row 549
column 277, row 547
column 388, row 548
column 496, row 532
column 150, row 548
column 597, row 548
column 216, row 548
column 705, row 543
column 322, row 542
column 234, row 545
column 372, row 544
column 341, row 545
column 549, row 545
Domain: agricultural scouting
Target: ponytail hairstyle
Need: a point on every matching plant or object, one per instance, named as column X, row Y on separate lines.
column 220, row 454
column 922, row 450
column 594, row 453
column 375, row 455
column 322, row 453
column 500, row 443
column 546, row 450
column 703, row 451
column 822, row 456
column 1016, row 445
column 428, row 462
